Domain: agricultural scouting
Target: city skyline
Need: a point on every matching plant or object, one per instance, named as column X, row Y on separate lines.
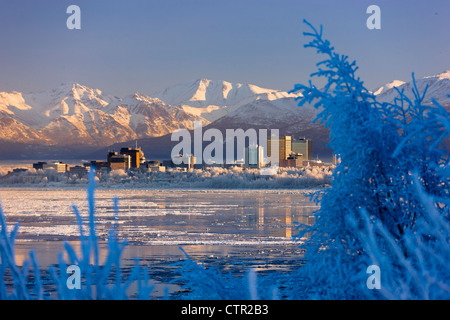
column 147, row 46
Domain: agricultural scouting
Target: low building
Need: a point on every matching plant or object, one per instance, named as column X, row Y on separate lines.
column 156, row 169
column 293, row 161
column 153, row 166
column 168, row 164
column 304, row 147
column 120, row 161
column 79, row 170
column 313, row 163
column 15, row 172
column 60, row 166
column 97, row 165
column 39, row 165
column 19, row 170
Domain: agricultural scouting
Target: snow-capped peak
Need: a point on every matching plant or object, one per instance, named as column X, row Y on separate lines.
column 67, row 99
column 440, row 76
column 76, row 91
column 437, row 87
column 135, row 98
column 14, row 99
column 206, row 92
column 390, row 85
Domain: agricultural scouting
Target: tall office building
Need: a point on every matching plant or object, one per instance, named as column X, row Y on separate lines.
column 304, row 147
column 254, row 156
column 283, row 144
column 135, row 153
column 188, row 160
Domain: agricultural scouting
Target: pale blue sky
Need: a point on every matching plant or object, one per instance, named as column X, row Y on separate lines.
column 145, row 46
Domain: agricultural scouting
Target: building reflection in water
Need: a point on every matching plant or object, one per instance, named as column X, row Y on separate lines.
column 260, row 214
column 277, row 219
column 288, row 220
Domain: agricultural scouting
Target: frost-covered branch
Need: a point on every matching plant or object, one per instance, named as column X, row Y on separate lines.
column 380, row 146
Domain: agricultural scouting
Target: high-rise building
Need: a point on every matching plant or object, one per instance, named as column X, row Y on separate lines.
column 303, row 147
column 283, row 144
column 254, row 156
column 135, row 153
column 188, row 160
column 336, row 159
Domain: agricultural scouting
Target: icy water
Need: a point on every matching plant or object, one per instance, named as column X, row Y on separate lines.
column 231, row 229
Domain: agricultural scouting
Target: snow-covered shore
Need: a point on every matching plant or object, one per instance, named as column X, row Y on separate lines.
column 210, row 178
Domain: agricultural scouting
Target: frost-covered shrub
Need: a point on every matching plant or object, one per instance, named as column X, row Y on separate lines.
column 417, row 267
column 212, row 284
column 118, row 173
column 3, row 172
column 382, row 147
column 214, row 177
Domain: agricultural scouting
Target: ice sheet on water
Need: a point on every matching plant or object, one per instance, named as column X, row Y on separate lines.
column 163, row 216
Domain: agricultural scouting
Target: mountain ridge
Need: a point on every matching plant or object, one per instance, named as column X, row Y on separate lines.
column 76, row 115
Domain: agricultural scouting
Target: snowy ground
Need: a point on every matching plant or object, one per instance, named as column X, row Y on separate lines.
column 211, row 178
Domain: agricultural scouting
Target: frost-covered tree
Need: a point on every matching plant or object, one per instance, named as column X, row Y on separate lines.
column 382, row 147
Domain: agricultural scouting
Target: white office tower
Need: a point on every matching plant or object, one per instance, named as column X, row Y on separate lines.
column 254, row 156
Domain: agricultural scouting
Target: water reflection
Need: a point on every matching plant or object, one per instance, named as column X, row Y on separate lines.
column 164, row 216
column 276, row 215
column 288, row 221
column 219, row 227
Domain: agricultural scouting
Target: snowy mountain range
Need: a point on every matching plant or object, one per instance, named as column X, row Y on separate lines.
column 75, row 114
column 438, row 89
column 215, row 99
column 73, row 118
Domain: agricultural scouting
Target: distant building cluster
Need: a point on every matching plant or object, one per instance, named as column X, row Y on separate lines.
column 126, row 159
column 292, row 154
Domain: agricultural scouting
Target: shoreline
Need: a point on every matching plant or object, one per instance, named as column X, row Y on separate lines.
column 143, row 188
